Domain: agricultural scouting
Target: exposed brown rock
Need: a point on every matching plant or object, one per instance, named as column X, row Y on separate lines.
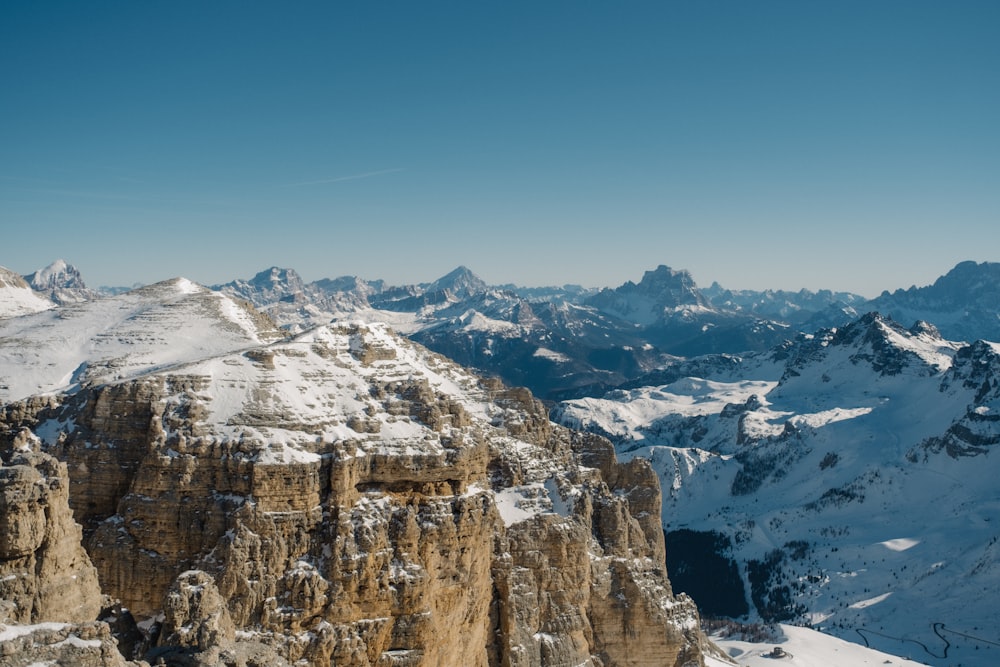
column 77, row 644
column 44, row 571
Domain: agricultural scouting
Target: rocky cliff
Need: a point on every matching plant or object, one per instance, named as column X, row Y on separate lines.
column 346, row 497
column 49, row 591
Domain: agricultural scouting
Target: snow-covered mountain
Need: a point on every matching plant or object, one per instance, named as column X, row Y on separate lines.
column 660, row 294
column 964, row 303
column 17, row 297
column 847, row 481
column 62, row 283
column 270, row 286
column 122, row 337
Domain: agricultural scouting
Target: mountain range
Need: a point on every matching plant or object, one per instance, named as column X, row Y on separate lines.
column 845, row 481
column 825, row 459
column 568, row 342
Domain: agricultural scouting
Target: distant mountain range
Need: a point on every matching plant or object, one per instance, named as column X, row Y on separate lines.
column 565, row 342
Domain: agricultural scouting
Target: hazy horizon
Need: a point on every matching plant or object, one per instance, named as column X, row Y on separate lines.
column 308, row 279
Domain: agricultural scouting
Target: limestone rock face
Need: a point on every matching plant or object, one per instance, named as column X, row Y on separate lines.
column 195, row 614
column 45, row 574
column 348, row 498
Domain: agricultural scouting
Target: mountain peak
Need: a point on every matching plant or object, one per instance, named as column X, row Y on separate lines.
column 460, row 282
column 61, row 282
column 57, row 275
column 276, row 274
column 679, row 284
column 268, row 286
column 890, row 347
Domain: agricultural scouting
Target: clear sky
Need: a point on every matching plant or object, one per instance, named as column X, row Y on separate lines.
column 842, row 145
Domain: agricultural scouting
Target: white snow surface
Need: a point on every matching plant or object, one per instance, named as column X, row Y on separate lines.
column 17, row 298
column 627, row 413
column 552, row 355
column 9, row 632
column 122, row 337
column 803, row 647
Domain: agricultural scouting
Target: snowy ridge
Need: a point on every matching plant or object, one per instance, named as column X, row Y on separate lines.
column 17, row 298
column 121, row 337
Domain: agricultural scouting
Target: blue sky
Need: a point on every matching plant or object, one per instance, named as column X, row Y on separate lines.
column 842, row 145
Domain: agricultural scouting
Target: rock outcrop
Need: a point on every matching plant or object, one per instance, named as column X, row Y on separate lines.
column 49, row 592
column 78, row 644
column 45, row 574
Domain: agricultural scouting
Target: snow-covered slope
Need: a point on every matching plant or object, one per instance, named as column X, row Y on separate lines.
column 803, row 647
column 165, row 324
column 852, row 486
column 17, row 297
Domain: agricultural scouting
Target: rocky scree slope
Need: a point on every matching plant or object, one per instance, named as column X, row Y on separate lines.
column 341, row 497
column 846, row 481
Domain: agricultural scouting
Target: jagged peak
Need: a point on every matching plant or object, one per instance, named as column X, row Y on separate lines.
column 968, row 276
column 924, row 328
column 460, row 280
column 869, row 326
column 663, row 271
column 678, row 284
column 887, row 344
column 276, row 274
column 58, row 274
